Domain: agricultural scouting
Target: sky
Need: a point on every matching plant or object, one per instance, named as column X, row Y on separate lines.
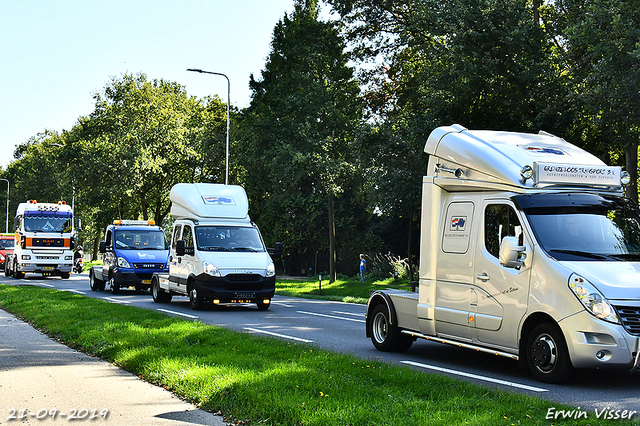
column 54, row 55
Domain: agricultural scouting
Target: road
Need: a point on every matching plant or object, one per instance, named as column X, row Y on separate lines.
column 339, row 327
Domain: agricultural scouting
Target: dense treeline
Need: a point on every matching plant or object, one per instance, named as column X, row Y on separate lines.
column 330, row 148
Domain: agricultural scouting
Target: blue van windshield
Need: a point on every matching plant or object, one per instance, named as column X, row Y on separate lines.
column 147, row 239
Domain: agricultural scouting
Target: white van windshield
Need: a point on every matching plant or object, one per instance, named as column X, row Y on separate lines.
column 228, row 238
column 587, row 232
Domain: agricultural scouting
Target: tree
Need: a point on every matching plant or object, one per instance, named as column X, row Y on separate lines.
column 302, row 121
column 600, row 43
column 482, row 64
column 122, row 160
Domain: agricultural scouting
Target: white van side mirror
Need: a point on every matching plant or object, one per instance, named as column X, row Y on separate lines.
column 511, row 253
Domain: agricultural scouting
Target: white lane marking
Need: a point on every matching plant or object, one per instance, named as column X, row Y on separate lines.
column 178, row 313
column 475, row 376
column 48, row 285
column 349, row 313
column 116, row 300
column 70, row 290
column 286, row 305
column 284, row 336
column 330, row 316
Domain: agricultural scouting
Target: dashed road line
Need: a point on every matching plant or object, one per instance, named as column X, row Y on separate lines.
column 177, row 313
column 284, row 336
column 475, row 376
column 330, row 316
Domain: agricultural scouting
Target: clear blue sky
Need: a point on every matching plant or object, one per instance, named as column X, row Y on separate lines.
column 55, row 54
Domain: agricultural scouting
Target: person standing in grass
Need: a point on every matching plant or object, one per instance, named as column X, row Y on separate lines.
column 363, row 267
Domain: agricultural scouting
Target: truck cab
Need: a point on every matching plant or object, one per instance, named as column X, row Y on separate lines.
column 132, row 251
column 529, row 251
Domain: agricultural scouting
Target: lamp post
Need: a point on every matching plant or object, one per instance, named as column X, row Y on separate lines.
column 226, row 176
column 6, row 224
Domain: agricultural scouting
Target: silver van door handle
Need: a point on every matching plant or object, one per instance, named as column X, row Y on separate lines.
column 483, row 277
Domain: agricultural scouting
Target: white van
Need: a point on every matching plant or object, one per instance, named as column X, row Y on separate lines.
column 217, row 254
column 528, row 250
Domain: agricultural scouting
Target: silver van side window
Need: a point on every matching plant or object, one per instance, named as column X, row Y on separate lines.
column 500, row 220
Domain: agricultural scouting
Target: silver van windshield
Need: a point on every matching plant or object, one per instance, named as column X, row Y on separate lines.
column 587, row 232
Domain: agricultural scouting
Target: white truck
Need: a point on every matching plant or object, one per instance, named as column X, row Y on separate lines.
column 529, row 250
column 217, row 254
column 44, row 240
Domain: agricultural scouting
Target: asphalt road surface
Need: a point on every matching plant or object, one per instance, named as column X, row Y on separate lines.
column 340, row 327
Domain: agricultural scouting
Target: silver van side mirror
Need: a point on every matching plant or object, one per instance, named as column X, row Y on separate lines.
column 511, row 253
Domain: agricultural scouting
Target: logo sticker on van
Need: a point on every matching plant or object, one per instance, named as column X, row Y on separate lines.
column 458, row 223
column 543, row 150
column 212, row 199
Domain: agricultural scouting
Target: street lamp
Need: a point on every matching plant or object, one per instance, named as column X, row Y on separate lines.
column 6, row 224
column 226, row 177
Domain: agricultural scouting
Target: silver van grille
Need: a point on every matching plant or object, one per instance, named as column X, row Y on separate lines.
column 630, row 318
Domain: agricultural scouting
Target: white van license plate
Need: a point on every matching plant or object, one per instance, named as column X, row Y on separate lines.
column 245, row 295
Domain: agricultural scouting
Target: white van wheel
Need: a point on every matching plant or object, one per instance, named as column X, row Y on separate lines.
column 158, row 294
column 195, row 299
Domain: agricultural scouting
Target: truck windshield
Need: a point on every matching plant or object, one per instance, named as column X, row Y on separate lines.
column 47, row 223
column 598, row 232
column 131, row 239
column 228, row 238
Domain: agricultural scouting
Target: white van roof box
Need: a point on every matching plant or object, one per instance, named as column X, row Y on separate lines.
column 201, row 201
column 487, row 158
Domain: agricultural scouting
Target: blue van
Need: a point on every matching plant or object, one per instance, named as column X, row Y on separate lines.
column 132, row 251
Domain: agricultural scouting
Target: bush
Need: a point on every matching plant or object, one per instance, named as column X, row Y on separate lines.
column 383, row 266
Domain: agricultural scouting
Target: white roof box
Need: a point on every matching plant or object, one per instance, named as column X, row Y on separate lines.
column 201, row 201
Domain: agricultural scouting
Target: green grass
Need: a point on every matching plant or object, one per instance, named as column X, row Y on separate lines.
column 350, row 290
column 263, row 380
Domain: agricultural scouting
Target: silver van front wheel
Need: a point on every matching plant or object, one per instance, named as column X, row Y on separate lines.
column 547, row 354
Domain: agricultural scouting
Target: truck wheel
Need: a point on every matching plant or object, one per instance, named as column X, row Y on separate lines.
column 94, row 283
column 65, row 275
column 7, row 270
column 158, row 294
column 16, row 273
column 263, row 306
column 195, row 298
column 547, row 354
column 385, row 336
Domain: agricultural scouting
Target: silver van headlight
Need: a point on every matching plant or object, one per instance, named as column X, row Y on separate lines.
column 592, row 299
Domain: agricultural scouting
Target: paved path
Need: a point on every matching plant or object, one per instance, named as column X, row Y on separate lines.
column 42, row 378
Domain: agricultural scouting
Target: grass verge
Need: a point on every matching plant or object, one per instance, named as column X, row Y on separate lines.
column 353, row 291
column 264, row 380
